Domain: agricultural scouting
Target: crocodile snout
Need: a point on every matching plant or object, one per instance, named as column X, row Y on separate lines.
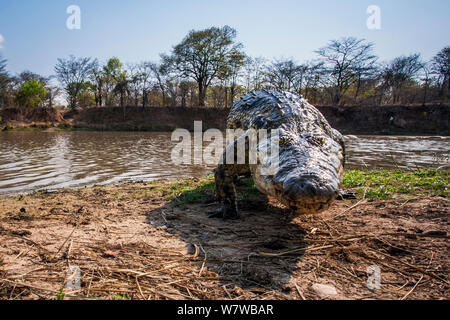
column 309, row 191
column 309, row 188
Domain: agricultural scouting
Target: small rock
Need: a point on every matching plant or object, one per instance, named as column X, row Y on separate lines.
column 324, row 290
column 111, row 253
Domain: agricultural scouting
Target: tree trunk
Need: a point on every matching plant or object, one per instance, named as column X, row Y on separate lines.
column 201, row 94
column 144, row 98
column 232, row 94
column 358, row 88
column 226, row 97
column 163, row 98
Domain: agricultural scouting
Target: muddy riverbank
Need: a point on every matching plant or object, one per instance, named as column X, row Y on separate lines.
column 153, row 241
column 383, row 120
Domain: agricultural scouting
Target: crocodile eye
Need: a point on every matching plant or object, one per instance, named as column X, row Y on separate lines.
column 318, row 141
column 282, row 142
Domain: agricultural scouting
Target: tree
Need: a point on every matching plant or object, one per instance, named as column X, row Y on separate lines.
column 400, row 72
column 236, row 61
column 146, row 72
column 25, row 76
column 186, row 88
column 97, row 78
column 343, row 61
column 134, row 81
column 52, row 92
column 311, row 79
column 5, row 80
column 31, row 94
column 254, row 73
column 2, row 65
column 72, row 73
column 285, row 75
column 440, row 66
column 116, row 81
column 204, row 55
column 86, row 96
column 160, row 72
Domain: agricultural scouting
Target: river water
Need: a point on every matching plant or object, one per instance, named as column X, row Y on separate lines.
column 31, row 161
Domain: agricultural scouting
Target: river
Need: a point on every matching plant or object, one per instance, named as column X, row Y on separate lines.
column 31, row 161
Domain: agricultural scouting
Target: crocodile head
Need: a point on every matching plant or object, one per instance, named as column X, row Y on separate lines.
column 308, row 176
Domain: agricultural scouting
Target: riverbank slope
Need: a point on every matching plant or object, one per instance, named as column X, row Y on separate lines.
column 154, row 241
column 384, row 120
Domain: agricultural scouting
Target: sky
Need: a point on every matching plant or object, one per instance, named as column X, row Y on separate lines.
column 33, row 33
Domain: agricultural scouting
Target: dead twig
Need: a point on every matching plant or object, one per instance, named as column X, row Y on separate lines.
column 299, row 292
column 412, row 290
column 265, row 254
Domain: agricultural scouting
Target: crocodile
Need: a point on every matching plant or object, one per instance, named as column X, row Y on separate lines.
column 308, row 176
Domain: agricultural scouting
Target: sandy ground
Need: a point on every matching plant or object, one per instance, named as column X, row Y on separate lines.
column 131, row 242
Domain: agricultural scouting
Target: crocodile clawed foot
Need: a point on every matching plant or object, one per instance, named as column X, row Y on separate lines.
column 346, row 196
column 224, row 213
column 216, row 213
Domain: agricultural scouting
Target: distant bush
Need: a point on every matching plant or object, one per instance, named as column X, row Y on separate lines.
column 31, row 94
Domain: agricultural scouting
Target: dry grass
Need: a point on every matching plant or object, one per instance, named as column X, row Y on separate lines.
column 144, row 241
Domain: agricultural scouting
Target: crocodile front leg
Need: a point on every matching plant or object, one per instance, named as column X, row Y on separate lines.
column 226, row 175
column 226, row 192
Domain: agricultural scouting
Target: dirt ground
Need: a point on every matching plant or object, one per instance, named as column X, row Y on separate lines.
column 132, row 242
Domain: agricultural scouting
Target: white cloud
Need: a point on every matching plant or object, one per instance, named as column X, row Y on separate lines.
column 1, row 40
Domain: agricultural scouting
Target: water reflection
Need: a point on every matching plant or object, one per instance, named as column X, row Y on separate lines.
column 31, row 161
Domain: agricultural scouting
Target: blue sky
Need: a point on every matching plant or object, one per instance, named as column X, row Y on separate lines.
column 35, row 34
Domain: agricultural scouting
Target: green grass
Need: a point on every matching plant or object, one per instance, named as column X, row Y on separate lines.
column 60, row 295
column 189, row 191
column 120, row 297
column 384, row 184
column 374, row 184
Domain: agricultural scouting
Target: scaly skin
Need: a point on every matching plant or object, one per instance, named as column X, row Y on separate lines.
column 311, row 154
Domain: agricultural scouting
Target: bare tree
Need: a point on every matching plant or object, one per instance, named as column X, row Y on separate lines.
column 134, row 81
column 146, row 72
column 160, row 73
column 72, row 73
column 236, row 61
column 172, row 85
column 53, row 91
column 5, row 81
column 440, row 67
column 254, row 73
column 400, row 72
column 311, row 79
column 342, row 61
column 285, row 75
column 25, row 76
